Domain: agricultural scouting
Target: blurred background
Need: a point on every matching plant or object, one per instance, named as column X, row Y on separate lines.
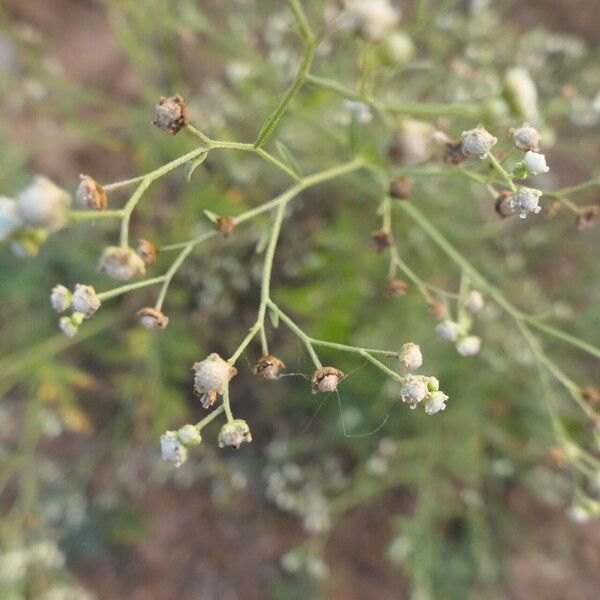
column 471, row 503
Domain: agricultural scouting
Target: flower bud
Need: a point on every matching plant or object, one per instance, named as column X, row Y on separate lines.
column 268, row 366
column 90, row 194
column 373, row 19
column 234, row 434
column 477, row 143
column 412, row 142
column 10, row 220
column 433, row 384
column 85, row 300
column 526, row 137
column 27, row 242
column 469, row 346
column 70, row 325
column 152, row 318
column 146, row 251
column 521, row 93
column 400, row 188
column 396, row 49
column 474, row 302
column 410, row 357
column 413, row 390
column 225, row 225
column 325, row 379
column 396, row 288
column 60, row 298
column 189, row 435
column 121, row 263
column 535, row 163
column 448, row 330
column 43, row 204
column 213, row 374
column 503, row 206
column 526, row 200
column 172, row 449
column 171, row 114
column 435, row 402
column 381, row 240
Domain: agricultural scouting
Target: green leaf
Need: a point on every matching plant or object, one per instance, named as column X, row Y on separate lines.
column 288, row 158
column 191, row 166
column 274, row 316
column 211, row 216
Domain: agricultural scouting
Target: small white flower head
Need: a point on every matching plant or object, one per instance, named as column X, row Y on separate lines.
column 413, row 390
column 85, row 300
column 90, row 194
column 189, row 435
column 448, row 330
column 526, row 200
column 234, row 434
column 469, row 346
column 10, row 220
column 435, row 402
column 325, row 380
column 152, row 318
column 172, row 449
column 70, row 325
column 412, row 142
column 43, row 204
column 474, row 302
column 121, row 263
column 60, row 298
column 213, row 374
column 477, row 143
column 410, row 357
column 373, row 19
column 396, row 49
column 526, row 137
column 535, row 163
column 521, row 93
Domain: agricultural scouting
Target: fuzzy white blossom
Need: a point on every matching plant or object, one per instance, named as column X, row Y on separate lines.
column 477, row 143
column 526, row 137
column 448, row 330
column 121, row 263
column 526, row 200
column 43, row 204
column 172, row 449
column 435, row 402
column 410, row 357
column 234, row 434
column 396, row 49
column 522, row 93
column 85, row 300
column 60, row 298
column 10, row 220
column 413, row 390
column 373, row 19
column 474, row 302
column 213, row 374
column 469, row 346
column 535, row 163
column 189, row 435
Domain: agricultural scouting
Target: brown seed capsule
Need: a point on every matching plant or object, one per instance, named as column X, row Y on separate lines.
column 588, row 216
column 171, row 114
column 591, row 394
column 146, row 251
column 400, row 188
column 225, row 225
column 152, row 318
column 453, row 153
column 396, row 288
column 438, row 310
column 90, row 194
column 268, row 366
column 381, row 240
column 207, row 399
column 503, row 205
column 325, row 379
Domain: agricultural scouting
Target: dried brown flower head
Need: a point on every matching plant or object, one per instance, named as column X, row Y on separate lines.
column 381, row 240
column 146, row 251
column 225, row 225
column 400, row 188
column 268, row 366
column 588, row 216
column 396, row 288
column 152, row 318
column 90, row 194
column 325, row 379
column 591, row 394
column 503, row 205
column 438, row 310
column 453, row 153
column 171, row 114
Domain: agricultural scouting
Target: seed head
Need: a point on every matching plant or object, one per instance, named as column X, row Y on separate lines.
column 172, row 449
column 474, row 302
column 152, row 318
column 525, row 201
column 435, row 402
column 60, row 298
column 396, row 288
column 503, row 206
column 213, row 374
column 189, row 435
column 448, row 330
column 381, row 240
column 526, row 137
column 477, row 143
column 588, row 216
column 10, row 220
column 410, row 357
column 268, row 366
column 146, row 251
column 400, row 188
column 121, row 263
column 325, row 379
column 469, row 346
column 43, row 204
column 171, row 114
column 413, row 390
column 225, row 225
column 535, row 163
column 90, row 194
column 234, row 434
column 85, row 300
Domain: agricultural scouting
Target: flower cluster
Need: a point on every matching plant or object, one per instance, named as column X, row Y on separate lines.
column 83, row 301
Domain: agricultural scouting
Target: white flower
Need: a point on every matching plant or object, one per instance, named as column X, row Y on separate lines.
column 413, row 390
column 213, row 374
column 234, row 434
column 121, row 263
column 374, row 19
column 477, row 143
column 85, row 300
column 172, row 449
column 522, row 93
column 189, row 435
column 410, row 357
column 60, row 298
column 526, row 200
column 10, row 219
column 412, row 142
column 474, row 302
column 43, row 204
column 448, row 330
column 526, row 137
column 535, row 163
column 469, row 346
column 435, row 402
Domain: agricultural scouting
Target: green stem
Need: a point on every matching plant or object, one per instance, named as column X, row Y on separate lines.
column 503, row 172
column 381, row 366
column 80, row 215
column 200, row 425
column 227, row 405
column 129, row 287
